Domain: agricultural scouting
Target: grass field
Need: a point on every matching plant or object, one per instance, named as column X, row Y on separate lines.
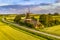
column 8, row 33
column 53, row 30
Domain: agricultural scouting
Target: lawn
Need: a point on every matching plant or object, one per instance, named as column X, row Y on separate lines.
column 53, row 30
column 8, row 33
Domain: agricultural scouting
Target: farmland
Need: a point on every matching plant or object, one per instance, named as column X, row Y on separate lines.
column 53, row 30
column 56, row 17
column 9, row 33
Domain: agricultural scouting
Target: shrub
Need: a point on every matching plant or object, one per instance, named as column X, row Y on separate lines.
column 26, row 24
column 17, row 19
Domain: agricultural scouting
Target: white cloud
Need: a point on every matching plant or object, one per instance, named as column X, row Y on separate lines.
column 3, row 4
column 56, row 4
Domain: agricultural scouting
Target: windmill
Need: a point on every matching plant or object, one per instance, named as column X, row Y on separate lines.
column 27, row 15
column 29, row 19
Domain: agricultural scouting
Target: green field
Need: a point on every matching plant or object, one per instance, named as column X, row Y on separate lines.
column 9, row 33
column 53, row 30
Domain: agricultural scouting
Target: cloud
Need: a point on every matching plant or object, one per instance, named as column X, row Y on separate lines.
column 57, row 1
column 26, row 0
column 3, row 4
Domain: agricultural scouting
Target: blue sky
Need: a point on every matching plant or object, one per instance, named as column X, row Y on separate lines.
column 24, row 2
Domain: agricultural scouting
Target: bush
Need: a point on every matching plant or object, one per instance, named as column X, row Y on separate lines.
column 56, row 14
column 17, row 19
column 26, row 24
column 48, row 21
column 53, row 23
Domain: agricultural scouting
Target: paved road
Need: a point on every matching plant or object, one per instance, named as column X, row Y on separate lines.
column 32, row 30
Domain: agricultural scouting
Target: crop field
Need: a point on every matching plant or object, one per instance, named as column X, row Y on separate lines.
column 56, row 18
column 10, row 17
column 9, row 33
column 53, row 30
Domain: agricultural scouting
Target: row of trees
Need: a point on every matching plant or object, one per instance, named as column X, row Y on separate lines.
column 48, row 21
column 55, row 14
column 18, row 21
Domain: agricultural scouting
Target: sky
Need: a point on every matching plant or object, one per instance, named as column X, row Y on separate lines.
column 24, row 2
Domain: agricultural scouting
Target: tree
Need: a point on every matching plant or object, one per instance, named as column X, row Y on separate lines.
column 49, row 14
column 56, row 13
column 34, row 18
column 45, row 19
column 17, row 19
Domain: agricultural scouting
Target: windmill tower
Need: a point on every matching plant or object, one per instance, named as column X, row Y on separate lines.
column 27, row 16
column 28, row 13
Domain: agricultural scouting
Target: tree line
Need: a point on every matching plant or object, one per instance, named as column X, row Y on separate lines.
column 45, row 19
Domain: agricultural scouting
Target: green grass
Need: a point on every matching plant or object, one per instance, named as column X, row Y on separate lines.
column 8, row 33
column 53, row 30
